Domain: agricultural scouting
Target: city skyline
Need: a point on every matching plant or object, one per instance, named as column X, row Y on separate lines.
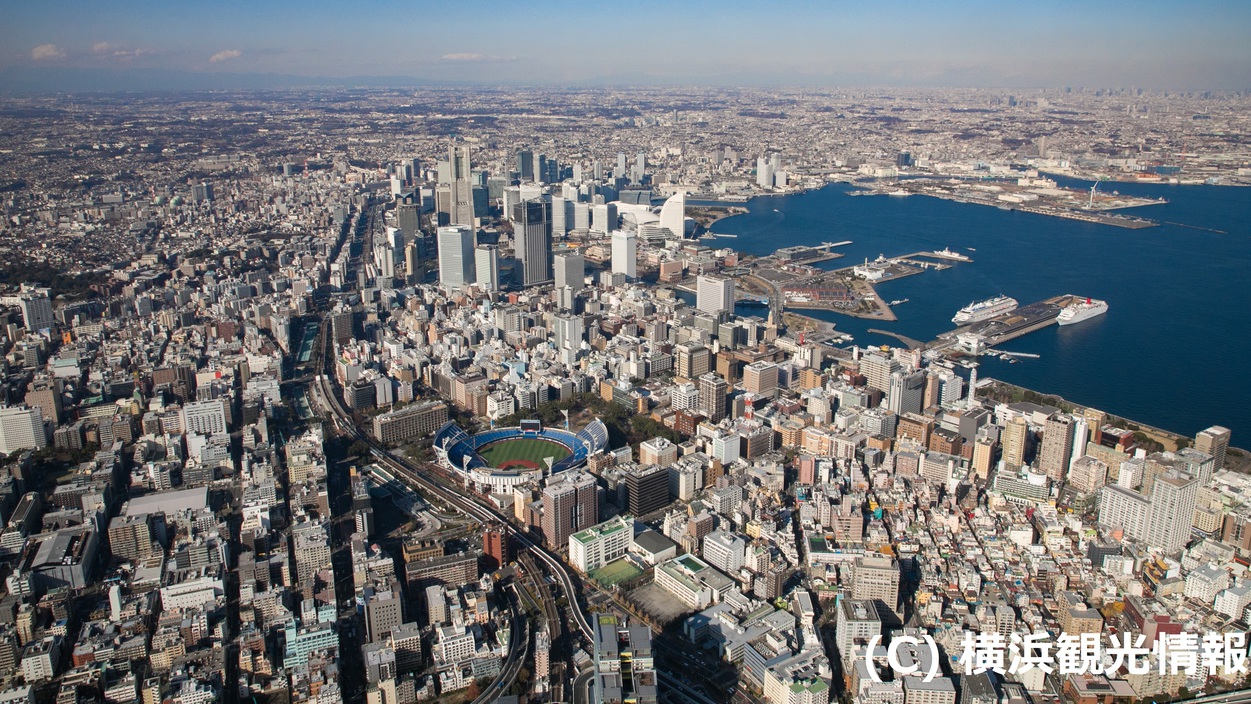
column 143, row 45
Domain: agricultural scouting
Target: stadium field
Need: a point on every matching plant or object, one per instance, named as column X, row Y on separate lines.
column 522, row 453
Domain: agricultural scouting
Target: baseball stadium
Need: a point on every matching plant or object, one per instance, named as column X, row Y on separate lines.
column 500, row 458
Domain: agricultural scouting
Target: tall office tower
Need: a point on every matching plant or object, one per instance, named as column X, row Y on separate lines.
column 640, row 166
column 21, row 429
column 761, row 378
column 408, row 215
column 570, row 504
column 412, row 257
column 532, row 239
column 384, row 260
column 382, row 614
column 1057, row 446
column 621, row 165
column 1214, row 441
column 907, row 392
column 495, row 547
column 456, row 264
column 581, row 216
column 570, row 270
column 625, row 254
column 876, row 578
column 1081, row 433
column 525, row 165
column 562, row 216
column 37, row 310
column 540, row 168
column 1173, row 498
column 569, row 330
column 487, row 266
column 714, row 294
column 1014, row 439
column 673, row 214
column 877, row 369
column 764, row 173
column 712, row 396
column 597, row 170
column 604, row 217
column 461, row 211
column 692, row 360
column 647, row 489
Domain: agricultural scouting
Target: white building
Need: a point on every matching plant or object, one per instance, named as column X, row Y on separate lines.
column 714, row 294
column 625, row 253
column 487, row 266
column 1204, row 583
column 456, row 257
column 1233, row 601
column 725, row 551
column 598, row 545
column 673, row 214
column 21, row 429
column 205, row 417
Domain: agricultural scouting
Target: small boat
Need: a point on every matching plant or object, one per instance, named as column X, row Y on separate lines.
column 970, row 249
column 899, row 302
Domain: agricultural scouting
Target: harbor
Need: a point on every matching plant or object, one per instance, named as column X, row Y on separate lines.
column 970, row 339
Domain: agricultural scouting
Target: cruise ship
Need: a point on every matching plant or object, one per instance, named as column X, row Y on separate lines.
column 1085, row 310
column 984, row 310
column 946, row 253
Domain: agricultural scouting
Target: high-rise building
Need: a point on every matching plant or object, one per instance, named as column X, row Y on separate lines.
column 761, row 378
column 456, row 257
column 21, row 429
column 673, row 215
column 570, row 270
column 906, row 393
column 625, row 253
column 876, row 578
column 532, row 240
column 36, row 310
column 1015, row 435
column 600, row 544
column 857, row 623
column 725, row 551
column 692, row 360
column 487, row 266
column 1214, row 441
column 647, row 489
column 714, row 294
column 569, row 330
column 604, row 218
column 712, row 396
column 877, row 369
column 1173, row 498
column 1056, row 450
column 494, row 547
column 461, row 210
column 382, row 614
column 525, row 165
column 205, row 417
column 1124, row 509
column 570, row 503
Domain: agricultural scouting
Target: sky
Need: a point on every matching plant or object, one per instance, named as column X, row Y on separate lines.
column 128, row 44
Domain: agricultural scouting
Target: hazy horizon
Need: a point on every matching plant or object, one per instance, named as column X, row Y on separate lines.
column 144, row 45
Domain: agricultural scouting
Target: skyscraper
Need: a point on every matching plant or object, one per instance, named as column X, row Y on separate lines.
column 487, row 266
column 532, row 240
column 456, row 259
column 461, row 207
column 714, row 294
column 495, row 547
column 1173, row 498
column 876, row 578
column 1014, row 438
column 712, row 396
column 604, row 217
column 525, row 165
column 37, row 310
column 907, row 391
column 1057, row 446
column 570, row 270
column 570, row 504
column 1214, row 441
column 625, row 253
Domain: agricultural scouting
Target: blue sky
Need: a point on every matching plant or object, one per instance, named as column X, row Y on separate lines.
column 1171, row 45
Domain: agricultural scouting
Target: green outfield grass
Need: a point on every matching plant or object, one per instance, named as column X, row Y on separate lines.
column 529, row 452
column 615, row 573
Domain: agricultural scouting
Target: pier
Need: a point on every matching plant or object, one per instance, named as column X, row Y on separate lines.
column 1008, row 326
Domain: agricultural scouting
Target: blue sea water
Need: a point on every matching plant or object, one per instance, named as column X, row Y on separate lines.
column 1173, row 349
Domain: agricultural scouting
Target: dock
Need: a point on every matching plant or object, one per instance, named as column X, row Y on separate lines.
column 908, row 341
column 1009, row 326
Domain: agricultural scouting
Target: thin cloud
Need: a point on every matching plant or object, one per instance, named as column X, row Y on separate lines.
column 476, row 58
column 45, row 52
column 117, row 50
column 225, row 55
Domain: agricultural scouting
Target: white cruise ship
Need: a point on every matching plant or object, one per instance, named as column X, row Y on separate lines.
column 1084, row 310
column 984, row 310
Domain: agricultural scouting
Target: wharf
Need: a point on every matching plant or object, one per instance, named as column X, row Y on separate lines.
column 1008, row 326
